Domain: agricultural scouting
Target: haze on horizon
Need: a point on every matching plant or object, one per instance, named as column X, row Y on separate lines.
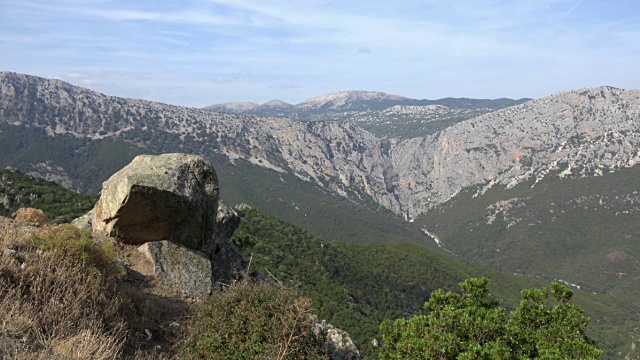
column 199, row 52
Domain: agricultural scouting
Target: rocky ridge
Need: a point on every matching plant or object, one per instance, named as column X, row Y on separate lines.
column 341, row 105
column 576, row 133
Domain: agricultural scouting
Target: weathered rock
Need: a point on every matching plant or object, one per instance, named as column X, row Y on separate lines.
column 31, row 216
column 242, row 206
column 227, row 221
column 227, row 261
column 85, row 221
column 167, row 197
column 179, row 268
column 339, row 343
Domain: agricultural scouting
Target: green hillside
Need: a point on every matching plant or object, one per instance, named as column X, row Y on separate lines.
column 59, row 204
column 583, row 231
column 86, row 162
column 356, row 287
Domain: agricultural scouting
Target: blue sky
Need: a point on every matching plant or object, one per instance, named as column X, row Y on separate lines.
column 196, row 53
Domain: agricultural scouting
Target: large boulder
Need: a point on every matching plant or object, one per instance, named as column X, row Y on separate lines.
column 179, row 268
column 167, row 197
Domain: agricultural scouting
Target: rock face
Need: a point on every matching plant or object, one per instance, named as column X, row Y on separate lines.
column 339, row 343
column 179, row 268
column 168, row 197
column 585, row 132
column 577, row 133
column 85, row 221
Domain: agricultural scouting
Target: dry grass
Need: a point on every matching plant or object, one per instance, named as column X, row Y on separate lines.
column 55, row 307
column 64, row 313
column 62, row 297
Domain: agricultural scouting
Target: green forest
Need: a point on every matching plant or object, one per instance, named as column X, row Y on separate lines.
column 356, row 287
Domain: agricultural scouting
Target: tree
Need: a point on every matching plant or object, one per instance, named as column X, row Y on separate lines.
column 468, row 326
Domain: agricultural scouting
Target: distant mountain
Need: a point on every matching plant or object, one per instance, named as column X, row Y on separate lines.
column 275, row 105
column 577, row 133
column 237, row 107
column 350, row 100
column 340, row 105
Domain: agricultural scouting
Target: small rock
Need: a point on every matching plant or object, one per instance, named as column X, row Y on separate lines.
column 339, row 343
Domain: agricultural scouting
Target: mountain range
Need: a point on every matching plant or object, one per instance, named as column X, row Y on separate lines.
column 576, row 133
column 352, row 100
column 544, row 188
column 387, row 116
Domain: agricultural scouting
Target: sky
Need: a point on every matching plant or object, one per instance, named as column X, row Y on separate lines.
column 201, row 52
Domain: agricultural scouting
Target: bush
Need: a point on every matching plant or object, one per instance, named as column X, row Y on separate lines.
column 467, row 326
column 253, row 321
column 31, row 215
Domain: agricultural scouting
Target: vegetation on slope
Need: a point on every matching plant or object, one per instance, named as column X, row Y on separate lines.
column 253, row 321
column 59, row 204
column 356, row 287
column 577, row 230
column 85, row 162
column 304, row 204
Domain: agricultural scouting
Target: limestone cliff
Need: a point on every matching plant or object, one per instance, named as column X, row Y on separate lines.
column 577, row 133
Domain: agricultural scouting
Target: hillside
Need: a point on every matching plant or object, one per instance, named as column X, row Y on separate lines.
column 18, row 190
column 579, row 133
column 583, row 231
column 355, row 287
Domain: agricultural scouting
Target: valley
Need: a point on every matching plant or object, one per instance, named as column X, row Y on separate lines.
column 543, row 189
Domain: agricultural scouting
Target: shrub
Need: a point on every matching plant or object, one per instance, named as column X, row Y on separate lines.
column 467, row 326
column 253, row 321
column 32, row 216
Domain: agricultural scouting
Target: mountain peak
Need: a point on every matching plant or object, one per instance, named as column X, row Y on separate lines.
column 342, row 99
column 233, row 107
column 276, row 104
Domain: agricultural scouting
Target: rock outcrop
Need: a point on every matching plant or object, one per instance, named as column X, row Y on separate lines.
column 225, row 257
column 168, row 197
column 179, row 268
column 169, row 204
column 586, row 132
column 338, row 342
